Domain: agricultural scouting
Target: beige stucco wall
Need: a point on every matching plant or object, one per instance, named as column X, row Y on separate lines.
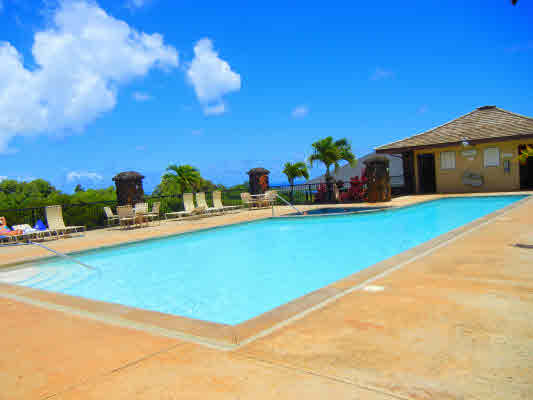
column 495, row 178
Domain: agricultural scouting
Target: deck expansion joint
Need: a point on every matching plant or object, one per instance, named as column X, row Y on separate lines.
column 114, row 370
column 324, row 376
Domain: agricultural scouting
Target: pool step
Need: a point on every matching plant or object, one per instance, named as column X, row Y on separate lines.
column 39, row 278
column 66, row 278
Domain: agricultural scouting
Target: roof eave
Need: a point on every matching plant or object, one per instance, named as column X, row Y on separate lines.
column 397, row 150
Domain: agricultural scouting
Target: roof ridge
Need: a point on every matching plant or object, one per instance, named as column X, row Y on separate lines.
column 515, row 114
column 429, row 130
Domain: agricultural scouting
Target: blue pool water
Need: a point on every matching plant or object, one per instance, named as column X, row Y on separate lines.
column 232, row 274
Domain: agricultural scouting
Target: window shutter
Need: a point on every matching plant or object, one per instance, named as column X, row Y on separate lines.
column 491, row 157
column 447, row 160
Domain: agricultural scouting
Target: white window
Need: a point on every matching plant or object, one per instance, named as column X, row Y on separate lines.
column 491, row 157
column 447, row 160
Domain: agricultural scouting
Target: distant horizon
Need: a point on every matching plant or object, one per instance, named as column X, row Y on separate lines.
column 148, row 189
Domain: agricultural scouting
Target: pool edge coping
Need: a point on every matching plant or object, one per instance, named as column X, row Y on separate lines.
column 231, row 337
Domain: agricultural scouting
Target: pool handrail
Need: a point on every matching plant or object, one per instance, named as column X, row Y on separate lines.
column 286, row 202
column 65, row 256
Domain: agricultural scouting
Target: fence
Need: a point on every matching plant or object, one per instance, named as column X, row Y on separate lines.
column 307, row 193
column 92, row 215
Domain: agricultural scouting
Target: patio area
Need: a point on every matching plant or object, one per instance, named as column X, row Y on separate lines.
column 454, row 322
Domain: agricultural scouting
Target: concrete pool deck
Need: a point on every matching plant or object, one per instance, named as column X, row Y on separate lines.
column 455, row 323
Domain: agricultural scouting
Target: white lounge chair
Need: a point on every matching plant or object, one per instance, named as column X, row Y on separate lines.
column 141, row 208
column 110, row 217
column 247, row 200
column 217, row 202
column 154, row 214
column 202, row 203
column 188, row 204
column 141, row 212
column 31, row 233
column 54, row 217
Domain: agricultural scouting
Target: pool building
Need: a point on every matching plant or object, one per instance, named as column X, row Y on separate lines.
column 476, row 152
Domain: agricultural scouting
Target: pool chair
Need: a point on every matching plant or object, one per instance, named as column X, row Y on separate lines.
column 54, row 217
column 110, row 217
column 154, row 214
column 217, row 202
column 247, row 200
column 7, row 233
column 126, row 216
column 188, row 203
column 270, row 198
column 141, row 212
column 202, row 203
column 31, row 233
column 8, row 238
column 141, row 208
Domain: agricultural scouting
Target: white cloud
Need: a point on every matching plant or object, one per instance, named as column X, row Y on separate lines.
column 380, row 73
column 300, row 112
column 3, row 178
column 211, row 77
column 81, row 59
column 25, row 178
column 75, row 175
column 140, row 96
column 215, row 109
column 136, row 3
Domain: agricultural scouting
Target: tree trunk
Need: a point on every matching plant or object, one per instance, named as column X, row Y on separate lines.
column 291, row 182
column 329, row 185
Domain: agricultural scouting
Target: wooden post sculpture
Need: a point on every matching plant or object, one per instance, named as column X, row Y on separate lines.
column 129, row 188
column 377, row 172
column 258, row 180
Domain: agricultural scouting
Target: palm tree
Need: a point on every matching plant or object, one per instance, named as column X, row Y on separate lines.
column 184, row 177
column 331, row 152
column 293, row 171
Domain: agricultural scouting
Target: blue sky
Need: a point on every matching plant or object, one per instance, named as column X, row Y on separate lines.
column 80, row 103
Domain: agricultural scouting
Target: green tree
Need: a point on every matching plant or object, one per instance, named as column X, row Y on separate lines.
column 80, row 208
column 181, row 179
column 78, row 188
column 330, row 152
column 293, row 171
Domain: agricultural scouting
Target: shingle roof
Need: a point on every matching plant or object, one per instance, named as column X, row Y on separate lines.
column 483, row 124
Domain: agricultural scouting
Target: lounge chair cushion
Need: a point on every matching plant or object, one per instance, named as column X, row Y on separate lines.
column 39, row 225
column 6, row 231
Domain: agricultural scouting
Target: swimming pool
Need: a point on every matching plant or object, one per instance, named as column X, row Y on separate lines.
column 231, row 274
